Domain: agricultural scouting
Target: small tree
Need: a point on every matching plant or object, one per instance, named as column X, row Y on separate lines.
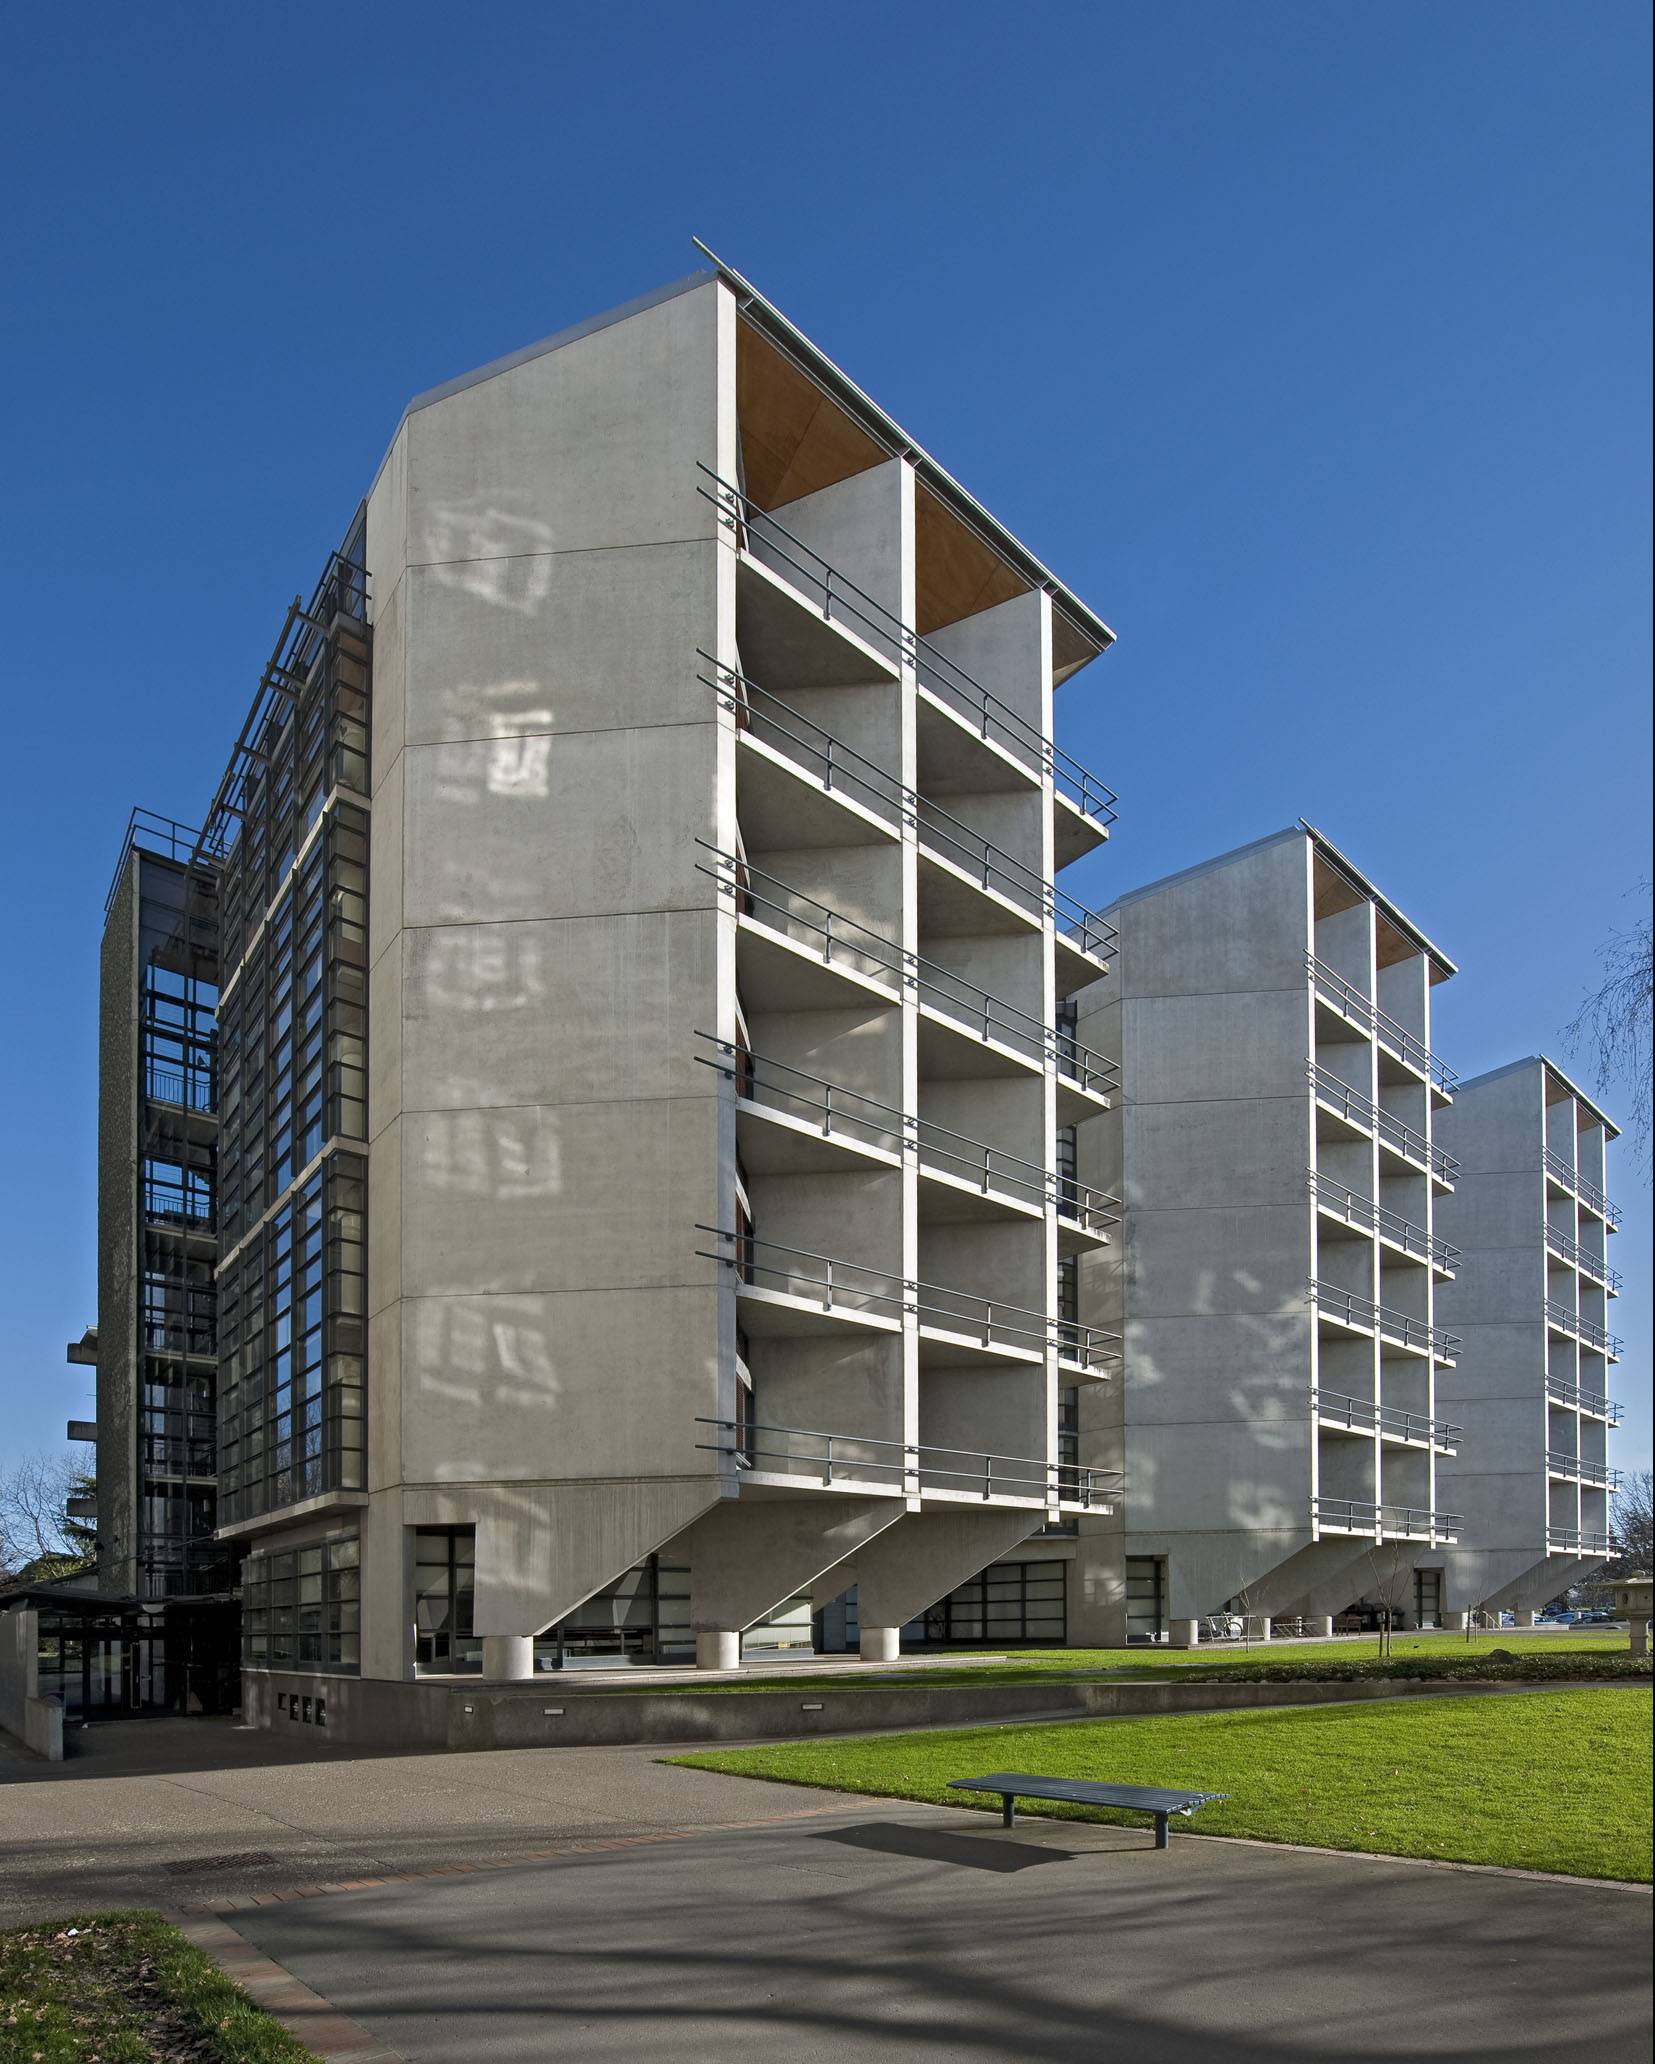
column 1392, row 1566
column 1634, row 1521
column 1612, row 1026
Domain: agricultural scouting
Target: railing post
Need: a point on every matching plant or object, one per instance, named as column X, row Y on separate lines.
column 827, row 1477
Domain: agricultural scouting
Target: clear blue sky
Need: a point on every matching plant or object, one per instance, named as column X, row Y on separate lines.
column 1309, row 344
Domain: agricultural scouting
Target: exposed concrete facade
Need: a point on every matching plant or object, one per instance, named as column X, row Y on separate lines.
column 1531, row 1304
column 1279, row 1270
column 714, row 1071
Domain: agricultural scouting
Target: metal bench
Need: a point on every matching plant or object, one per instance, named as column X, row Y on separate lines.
column 1078, row 1791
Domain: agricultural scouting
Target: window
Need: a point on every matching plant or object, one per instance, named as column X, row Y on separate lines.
column 1007, row 1602
column 445, row 1575
column 1146, row 1598
column 302, row 1607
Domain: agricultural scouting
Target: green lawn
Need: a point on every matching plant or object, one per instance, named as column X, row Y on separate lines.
column 125, row 1988
column 1546, row 1780
column 1304, row 1658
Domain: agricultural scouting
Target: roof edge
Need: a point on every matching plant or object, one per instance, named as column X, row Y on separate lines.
column 1545, row 1061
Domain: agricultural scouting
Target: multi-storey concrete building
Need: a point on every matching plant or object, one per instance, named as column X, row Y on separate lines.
column 1278, row 1275
column 643, row 1196
column 1531, row 1308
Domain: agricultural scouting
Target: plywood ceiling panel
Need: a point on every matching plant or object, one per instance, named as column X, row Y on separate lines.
column 794, row 439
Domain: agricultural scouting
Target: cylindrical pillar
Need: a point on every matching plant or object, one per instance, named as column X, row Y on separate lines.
column 1524, row 1617
column 717, row 1648
column 1184, row 1634
column 880, row 1644
column 1322, row 1624
column 1640, row 1634
column 1453, row 1622
column 507, row 1657
column 1258, row 1628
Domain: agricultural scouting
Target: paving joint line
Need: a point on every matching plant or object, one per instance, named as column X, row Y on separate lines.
column 316, row 2022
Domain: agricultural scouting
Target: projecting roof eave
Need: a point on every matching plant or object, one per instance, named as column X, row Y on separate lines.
column 1441, row 966
column 1610, row 1128
column 886, row 431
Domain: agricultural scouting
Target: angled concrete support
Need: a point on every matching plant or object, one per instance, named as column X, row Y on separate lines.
column 921, row 1559
column 750, row 1554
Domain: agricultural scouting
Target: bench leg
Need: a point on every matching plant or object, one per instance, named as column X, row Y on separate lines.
column 1161, row 1831
column 1008, row 1811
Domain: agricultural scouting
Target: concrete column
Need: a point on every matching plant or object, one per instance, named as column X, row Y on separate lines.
column 1258, row 1627
column 1525, row 1616
column 1184, row 1634
column 1453, row 1622
column 507, row 1657
column 881, row 1644
column 1322, row 1624
column 717, row 1649
column 1640, row 1635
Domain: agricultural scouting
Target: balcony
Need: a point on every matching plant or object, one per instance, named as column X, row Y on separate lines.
column 814, row 957
column 1589, row 1264
column 1361, row 1415
column 1360, row 1114
column 1562, row 1319
column 1578, row 1470
column 1570, row 1180
column 1401, row 1329
column 1591, row 1404
column 790, row 1121
column 801, row 1457
column 789, row 1291
column 1337, row 1202
column 1086, row 808
column 1393, row 1038
column 1574, row 1541
column 1384, row 1522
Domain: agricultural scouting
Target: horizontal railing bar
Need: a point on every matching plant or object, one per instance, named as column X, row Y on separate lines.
column 1591, row 1401
column 918, row 1458
column 1585, row 1543
column 1384, row 1319
column 1383, row 1517
column 1583, row 1258
column 1587, row 1329
column 1561, row 1463
column 1588, row 1192
column 1348, row 999
column 1384, row 1418
column 1073, row 781
column 1336, row 1197
column 1360, row 1109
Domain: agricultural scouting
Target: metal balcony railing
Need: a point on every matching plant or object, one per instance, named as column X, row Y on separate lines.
column 185, row 1089
column 842, row 941
column 1575, row 1541
column 1582, row 1258
column 1389, row 1324
column 910, row 1466
column 1559, row 1463
column 1413, row 1523
column 838, row 1112
column 1340, row 1202
column 1362, row 1415
column 1359, row 1109
column 147, row 831
column 1588, row 1193
column 1349, row 1001
column 169, row 1204
column 1589, row 1330
column 840, row 600
column 1591, row 1402
column 848, row 1286
column 842, row 770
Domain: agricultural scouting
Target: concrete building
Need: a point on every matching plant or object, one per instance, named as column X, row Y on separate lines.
column 1531, row 1307
column 1281, row 1264
column 643, row 1181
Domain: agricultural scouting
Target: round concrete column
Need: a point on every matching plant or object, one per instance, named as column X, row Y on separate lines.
column 507, row 1657
column 1525, row 1618
column 1453, row 1622
column 1184, row 1634
column 881, row 1644
column 1323, row 1624
column 1258, row 1629
column 717, row 1648
column 1640, row 1635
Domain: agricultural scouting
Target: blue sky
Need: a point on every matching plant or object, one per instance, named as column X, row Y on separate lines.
column 1310, row 345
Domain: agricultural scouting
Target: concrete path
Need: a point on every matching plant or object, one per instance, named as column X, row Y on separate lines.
column 875, row 1931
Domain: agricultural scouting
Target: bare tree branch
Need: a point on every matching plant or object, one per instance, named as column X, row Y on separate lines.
column 1612, row 1026
column 37, row 1535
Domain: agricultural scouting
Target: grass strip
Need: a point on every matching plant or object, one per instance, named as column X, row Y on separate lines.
column 127, row 1988
column 1553, row 1781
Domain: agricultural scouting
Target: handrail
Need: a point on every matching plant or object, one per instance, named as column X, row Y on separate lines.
column 1582, row 1543
column 833, row 592
column 1592, row 1401
column 1384, row 1320
column 1587, row 1329
column 1409, row 1520
column 148, row 831
column 1344, row 995
column 1362, row 1414
column 1583, row 1258
column 1588, row 1193
column 1360, row 1109
column 963, row 1002
column 910, row 1463
column 1334, row 1197
column 1560, row 1463
column 1000, row 1324
column 830, row 1104
column 188, row 1089
column 992, row 867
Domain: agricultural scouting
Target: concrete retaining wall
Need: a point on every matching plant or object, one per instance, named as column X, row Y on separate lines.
column 36, row 1722
column 430, row 1716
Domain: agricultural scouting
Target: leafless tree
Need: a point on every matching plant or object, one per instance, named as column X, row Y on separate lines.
column 38, row 1537
column 1612, row 1026
column 1393, row 1569
column 1635, row 1523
